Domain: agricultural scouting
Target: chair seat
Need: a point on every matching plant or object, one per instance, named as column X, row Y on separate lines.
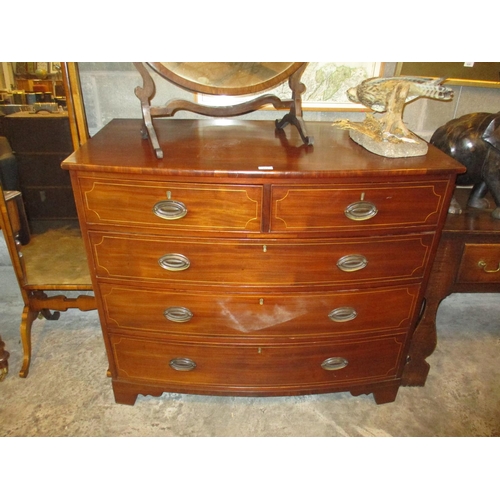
column 57, row 258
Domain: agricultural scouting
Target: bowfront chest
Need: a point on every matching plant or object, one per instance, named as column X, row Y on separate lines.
column 247, row 263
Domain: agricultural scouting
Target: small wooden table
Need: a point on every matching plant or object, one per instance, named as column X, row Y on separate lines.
column 467, row 261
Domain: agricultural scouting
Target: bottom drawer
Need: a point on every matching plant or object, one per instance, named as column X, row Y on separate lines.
column 245, row 367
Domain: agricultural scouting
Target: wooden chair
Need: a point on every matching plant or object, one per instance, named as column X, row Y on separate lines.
column 4, row 364
column 51, row 262
column 21, row 229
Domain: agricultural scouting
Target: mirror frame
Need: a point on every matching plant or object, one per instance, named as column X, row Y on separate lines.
column 75, row 105
column 206, row 88
column 149, row 112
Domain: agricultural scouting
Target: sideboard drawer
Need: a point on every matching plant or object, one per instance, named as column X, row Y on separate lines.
column 265, row 366
column 480, row 264
column 173, row 206
column 286, row 315
column 263, row 262
column 338, row 207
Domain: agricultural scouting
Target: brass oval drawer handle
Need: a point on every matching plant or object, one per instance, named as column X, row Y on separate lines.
column 174, row 262
column 361, row 210
column 182, row 364
column 335, row 363
column 170, row 209
column 178, row 314
column 343, row 314
column 483, row 265
column 351, row 263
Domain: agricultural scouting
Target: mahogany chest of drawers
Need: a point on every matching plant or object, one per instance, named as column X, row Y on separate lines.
column 247, row 263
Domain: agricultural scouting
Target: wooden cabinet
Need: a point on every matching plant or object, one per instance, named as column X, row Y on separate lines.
column 247, row 263
column 40, row 143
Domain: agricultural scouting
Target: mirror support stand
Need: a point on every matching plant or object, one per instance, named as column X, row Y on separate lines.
column 148, row 90
column 295, row 116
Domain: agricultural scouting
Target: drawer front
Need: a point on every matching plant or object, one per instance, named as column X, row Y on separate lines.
column 174, row 206
column 326, row 208
column 480, row 264
column 247, row 366
column 264, row 262
column 290, row 315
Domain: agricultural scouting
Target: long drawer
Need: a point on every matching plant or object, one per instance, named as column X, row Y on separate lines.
column 334, row 207
column 289, row 315
column 266, row 366
column 260, row 262
column 173, row 206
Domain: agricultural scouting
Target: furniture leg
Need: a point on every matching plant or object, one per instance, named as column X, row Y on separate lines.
column 4, row 364
column 385, row 395
column 423, row 345
column 424, row 338
column 26, row 321
column 124, row 394
column 381, row 395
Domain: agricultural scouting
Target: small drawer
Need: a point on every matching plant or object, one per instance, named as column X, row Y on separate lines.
column 173, row 206
column 260, row 262
column 290, row 315
column 480, row 264
column 254, row 367
column 347, row 207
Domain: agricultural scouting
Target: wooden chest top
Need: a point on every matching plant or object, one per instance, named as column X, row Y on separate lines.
column 235, row 148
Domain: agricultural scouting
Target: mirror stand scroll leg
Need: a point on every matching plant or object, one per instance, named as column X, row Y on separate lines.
column 295, row 117
column 145, row 94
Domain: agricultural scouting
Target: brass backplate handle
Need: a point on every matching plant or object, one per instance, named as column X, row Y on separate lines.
column 334, row 363
column 361, row 210
column 482, row 264
column 182, row 364
column 178, row 314
column 174, row 262
column 170, row 209
column 343, row 314
column 352, row 262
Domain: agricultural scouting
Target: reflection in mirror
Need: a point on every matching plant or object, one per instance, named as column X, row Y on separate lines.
column 226, row 78
column 48, row 267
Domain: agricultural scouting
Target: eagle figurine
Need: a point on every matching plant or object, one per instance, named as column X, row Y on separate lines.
column 375, row 93
column 388, row 135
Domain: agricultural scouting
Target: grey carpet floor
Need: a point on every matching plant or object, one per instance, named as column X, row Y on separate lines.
column 67, row 392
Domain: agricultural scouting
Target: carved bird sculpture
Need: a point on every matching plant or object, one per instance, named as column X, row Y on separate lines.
column 388, row 135
column 378, row 93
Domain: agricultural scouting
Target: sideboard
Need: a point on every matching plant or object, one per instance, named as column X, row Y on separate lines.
column 246, row 262
column 467, row 261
